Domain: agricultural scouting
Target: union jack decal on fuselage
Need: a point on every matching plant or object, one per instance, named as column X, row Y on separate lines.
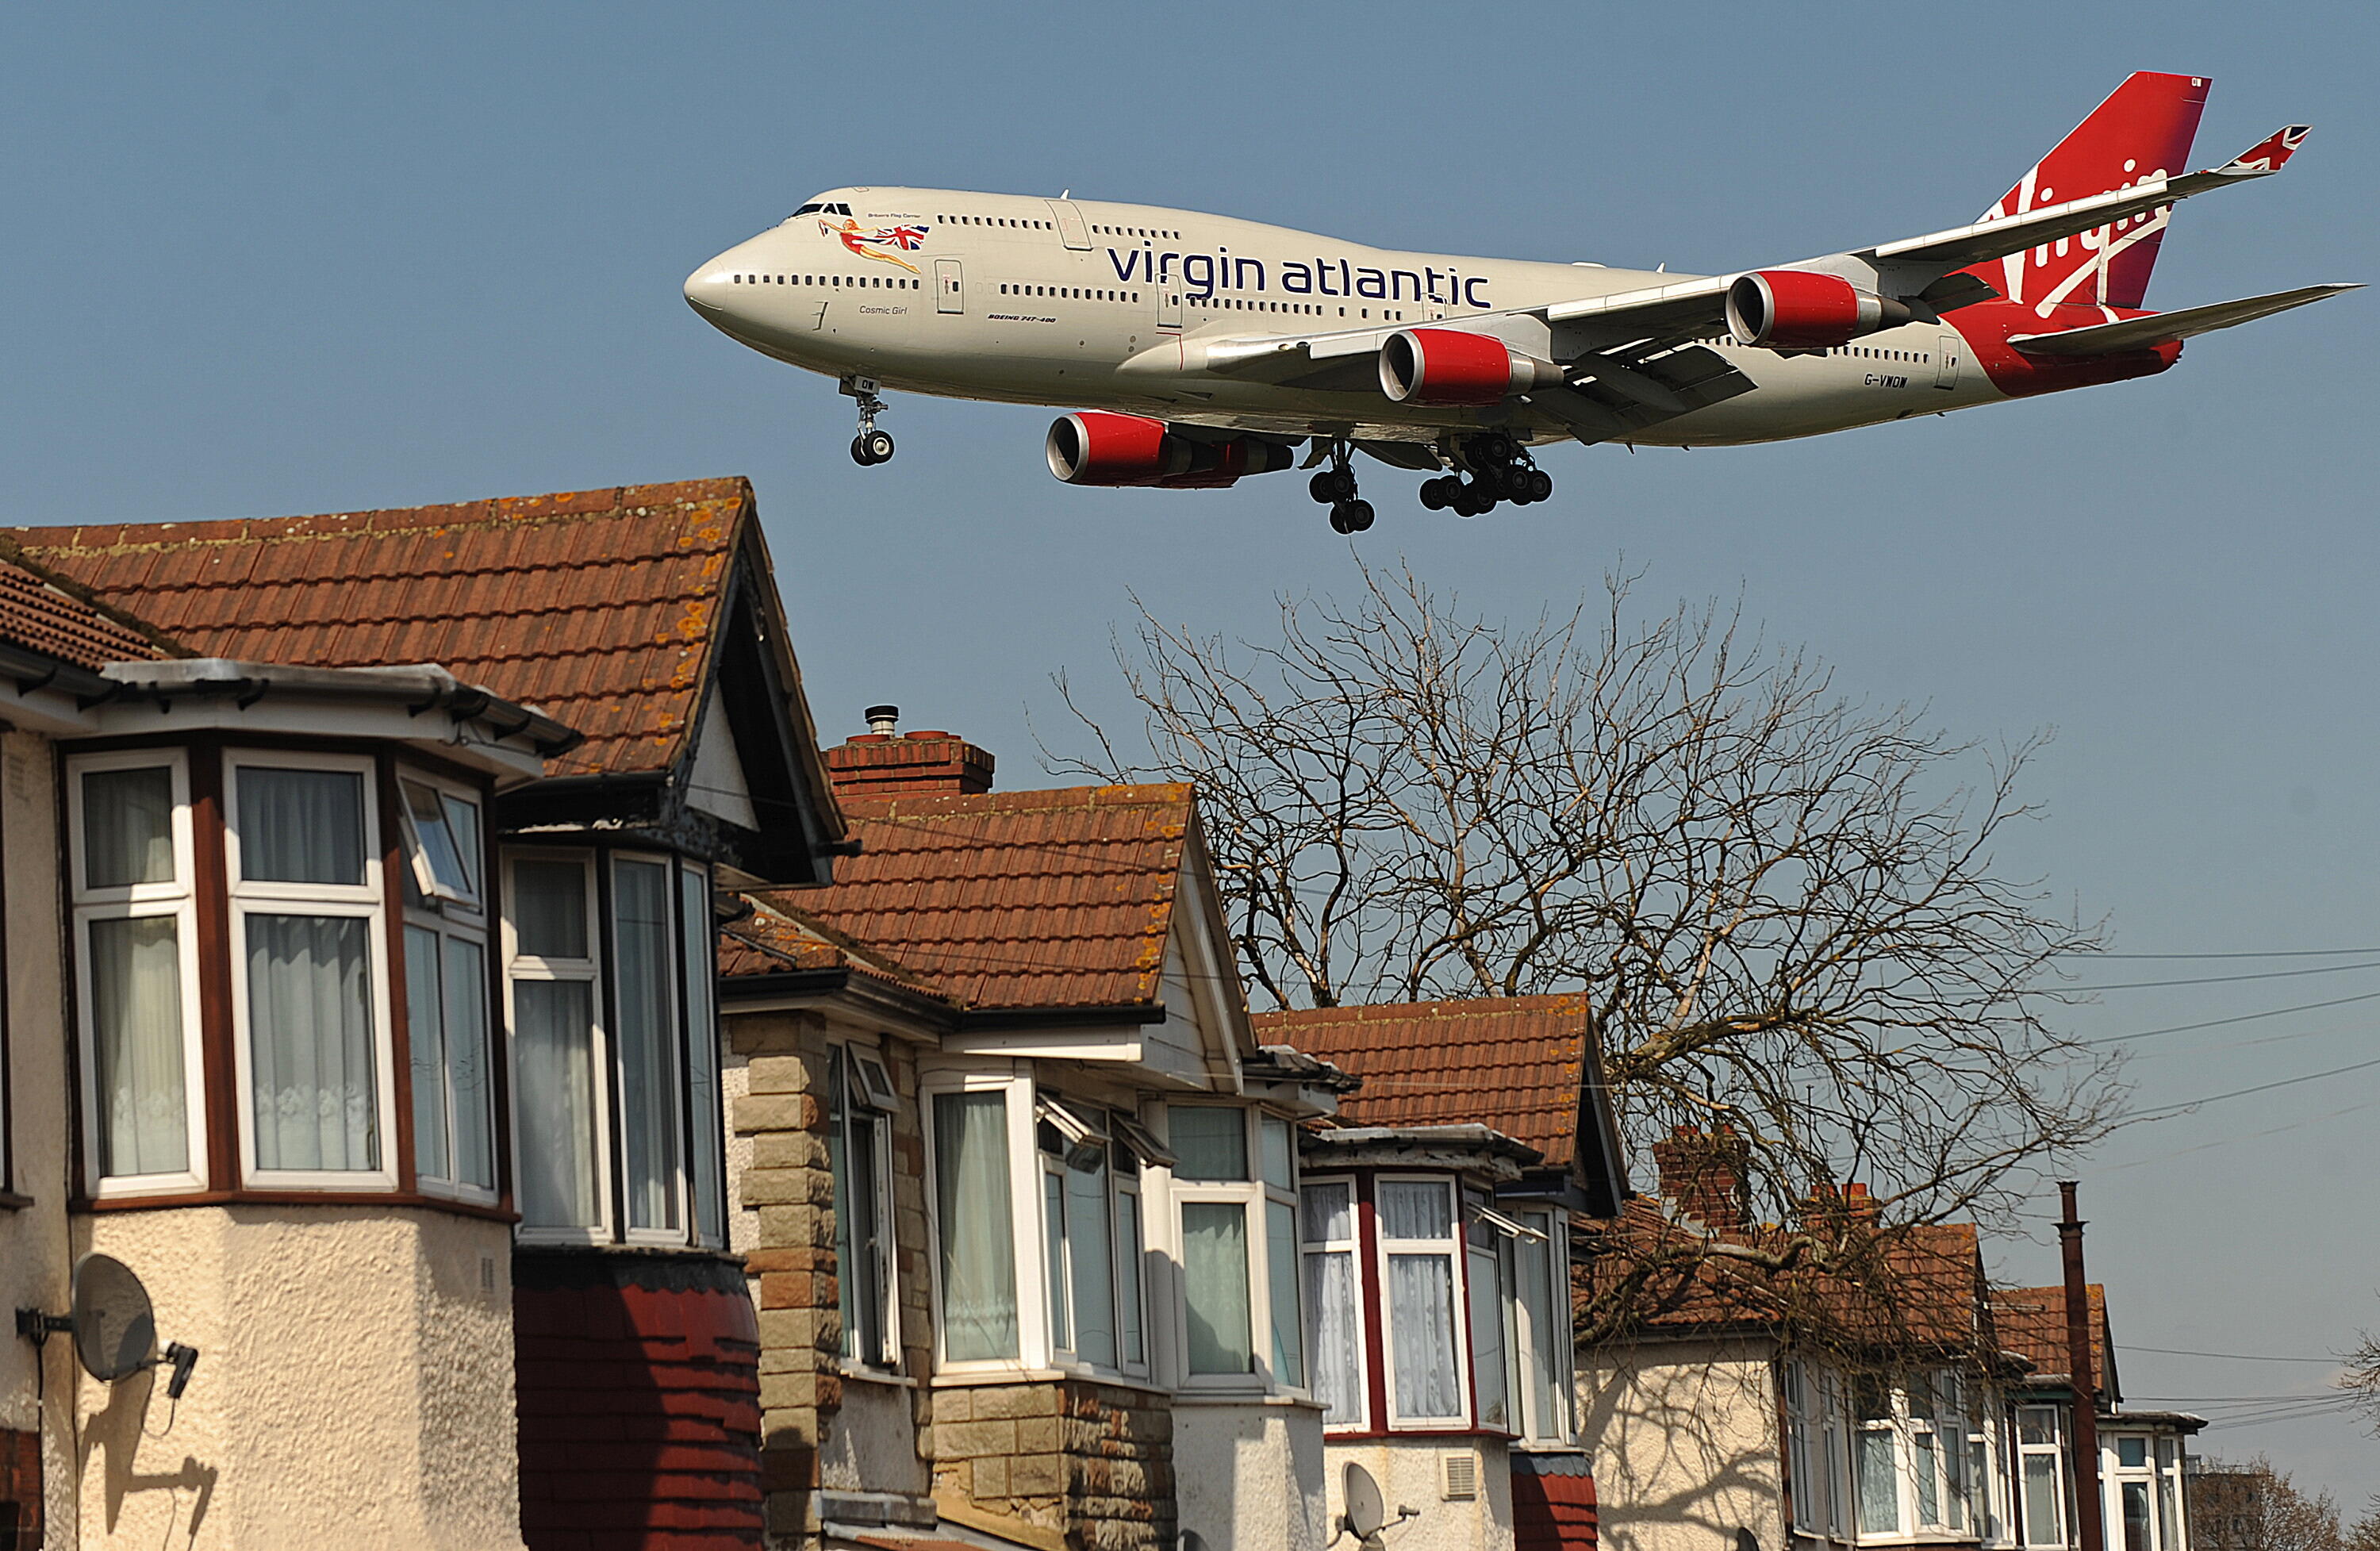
column 871, row 245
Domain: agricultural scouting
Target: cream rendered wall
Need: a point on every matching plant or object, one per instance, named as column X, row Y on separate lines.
column 1684, row 1441
column 35, row 1252
column 1248, row 1474
column 1409, row 1473
column 354, row 1387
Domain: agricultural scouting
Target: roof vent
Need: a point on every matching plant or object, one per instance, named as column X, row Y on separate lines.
column 883, row 721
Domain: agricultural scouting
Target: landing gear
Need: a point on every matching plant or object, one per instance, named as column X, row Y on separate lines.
column 1335, row 487
column 1499, row 469
column 871, row 446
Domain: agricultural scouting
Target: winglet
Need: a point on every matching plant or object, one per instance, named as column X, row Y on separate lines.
column 2269, row 154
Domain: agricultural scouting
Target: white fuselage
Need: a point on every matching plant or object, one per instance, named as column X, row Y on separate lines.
column 1089, row 305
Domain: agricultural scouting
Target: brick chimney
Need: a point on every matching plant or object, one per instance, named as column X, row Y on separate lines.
column 885, row 762
column 1704, row 1173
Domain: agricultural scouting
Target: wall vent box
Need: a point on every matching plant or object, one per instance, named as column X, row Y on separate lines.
column 1459, row 1472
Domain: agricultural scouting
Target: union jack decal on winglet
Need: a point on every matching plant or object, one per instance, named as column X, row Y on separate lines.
column 2270, row 155
column 871, row 245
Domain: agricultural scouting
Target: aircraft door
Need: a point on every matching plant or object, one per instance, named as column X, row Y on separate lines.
column 1169, row 305
column 948, row 296
column 1072, row 229
column 1946, row 352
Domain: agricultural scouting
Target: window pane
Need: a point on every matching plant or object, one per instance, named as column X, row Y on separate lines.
column 463, row 823
column 702, row 1057
column 1879, row 1492
column 1330, row 1213
column 554, row 1045
column 1279, row 1165
column 1288, row 1326
column 2132, row 1453
column 1053, row 1239
column 1488, row 1376
column 979, row 1252
column 1210, row 1143
column 440, row 850
column 838, row 1164
column 1336, row 1334
column 550, row 908
column 865, row 1269
column 301, row 826
column 1215, row 1274
column 2036, row 1424
column 1416, row 1209
column 135, row 1019
column 425, row 1028
column 1547, row 1329
column 466, row 1062
column 2041, row 1499
column 1128, row 1253
column 1929, row 1490
column 1421, row 1336
column 1091, row 1262
column 128, row 828
column 646, row 1037
column 310, row 1042
column 2136, row 1516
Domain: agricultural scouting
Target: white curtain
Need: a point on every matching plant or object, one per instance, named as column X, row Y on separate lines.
column 1879, row 1490
column 979, row 1241
column 1090, row 1246
column 1215, row 1274
column 647, row 1085
column 466, row 1062
column 1416, row 1209
column 1335, row 1327
column 549, row 908
column 310, row 1042
column 1421, row 1333
column 553, row 1064
column 301, row 826
column 136, row 1015
column 425, row 1029
column 1208, row 1142
column 128, row 826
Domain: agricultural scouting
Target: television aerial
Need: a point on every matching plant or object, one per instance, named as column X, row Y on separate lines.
column 1368, row 1512
column 114, row 1326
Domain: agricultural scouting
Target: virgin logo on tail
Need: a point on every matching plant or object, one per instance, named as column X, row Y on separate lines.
column 2142, row 131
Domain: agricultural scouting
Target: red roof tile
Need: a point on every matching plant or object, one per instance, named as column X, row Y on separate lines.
column 38, row 617
column 2030, row 1321
column 597, row 607
column 1056, row 898
column 1510, row 1062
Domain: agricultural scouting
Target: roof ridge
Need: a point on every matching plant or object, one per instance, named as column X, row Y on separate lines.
column 74, row 591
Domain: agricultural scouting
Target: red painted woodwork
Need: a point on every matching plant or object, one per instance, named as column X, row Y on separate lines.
column 1553, row 1502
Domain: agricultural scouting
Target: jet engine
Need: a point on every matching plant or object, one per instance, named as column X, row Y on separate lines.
column 1099, row 448
column 1452, row 367
column 1794, row 309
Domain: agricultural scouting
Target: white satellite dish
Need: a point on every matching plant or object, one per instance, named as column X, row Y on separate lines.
column 1367, row 1511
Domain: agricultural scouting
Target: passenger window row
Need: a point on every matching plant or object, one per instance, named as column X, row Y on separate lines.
column 1135, row 232
column 873, row 282
column 1078, row 293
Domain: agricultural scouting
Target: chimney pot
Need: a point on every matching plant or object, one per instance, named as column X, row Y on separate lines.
column 882, row 721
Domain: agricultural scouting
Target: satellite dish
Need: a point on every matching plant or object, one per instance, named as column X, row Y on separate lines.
column 115, row 1328
column 1366, row 1509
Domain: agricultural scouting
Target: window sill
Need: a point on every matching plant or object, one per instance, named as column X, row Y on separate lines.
column 1246, row 1397
column 860, row 1372
column 976, row 1378
column 162, row 1201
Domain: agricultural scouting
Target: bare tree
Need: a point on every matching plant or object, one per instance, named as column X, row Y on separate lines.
column 2277, row 1515
column 2362, row 1378
column 1784, row 904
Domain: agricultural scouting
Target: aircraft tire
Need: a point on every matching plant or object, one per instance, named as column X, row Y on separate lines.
column 878, row 444
column 1435, row 495
column 1338, row 519
column 1541, row 485
column 1357, row 515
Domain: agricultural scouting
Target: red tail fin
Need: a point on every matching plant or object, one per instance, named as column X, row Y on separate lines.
column 2142, row 130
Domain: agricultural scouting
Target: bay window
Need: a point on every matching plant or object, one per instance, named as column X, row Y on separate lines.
column 859, row 1155
column 2144, row 1487
column 1419, row 1255
column 447, row 990
column 136, row 970
column 1333, row 1300
column 2040, row 1448
column 1878, row 1474
column 1238, row 1207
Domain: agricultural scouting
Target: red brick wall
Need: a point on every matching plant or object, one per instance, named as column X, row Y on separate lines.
column 639, row 1402
column 1553, row 1502
column 20, row 1489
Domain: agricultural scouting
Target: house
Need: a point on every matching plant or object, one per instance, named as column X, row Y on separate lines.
column 367, row 1013
column 1438, row 1213
column 1018, row 1183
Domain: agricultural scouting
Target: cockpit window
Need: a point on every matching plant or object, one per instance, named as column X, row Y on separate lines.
column 817, row 207
column 811, row 209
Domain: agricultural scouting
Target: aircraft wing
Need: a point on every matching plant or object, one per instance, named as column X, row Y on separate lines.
column 2135, row 334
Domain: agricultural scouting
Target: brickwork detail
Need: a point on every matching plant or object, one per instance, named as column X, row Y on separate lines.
column 1094, row 1461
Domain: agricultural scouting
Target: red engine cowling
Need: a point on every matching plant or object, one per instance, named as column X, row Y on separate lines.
column 1453, row 367
column 1099, row 448
column 1794, row 309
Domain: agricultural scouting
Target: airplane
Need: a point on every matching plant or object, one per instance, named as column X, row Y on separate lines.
column 1203, row 349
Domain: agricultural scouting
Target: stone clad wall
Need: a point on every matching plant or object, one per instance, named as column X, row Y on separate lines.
column 1092, row 1460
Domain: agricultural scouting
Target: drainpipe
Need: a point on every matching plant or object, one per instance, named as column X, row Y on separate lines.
column 2089, row 1522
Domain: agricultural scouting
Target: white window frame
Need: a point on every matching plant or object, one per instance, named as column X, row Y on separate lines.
column 1132, row 1245
column 674, row 1042
column 367, row 901
column 1069, row 1117
column 1559, row 1341
column 2055, row 1451
column 179, row 900
column 1250, row 1195
column 709, row 1122
column 448, row 912
column 1351, row 1247
column 1988, row 1506
column 1454, row 1249
column 591, row 970
column 1797, row 1382
column 2113, row 1474
column 857, row 1098
column 1023, row 1215
column 1492, row 1252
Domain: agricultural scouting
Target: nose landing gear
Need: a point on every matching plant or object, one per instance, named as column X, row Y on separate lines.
column 1335, row 487
column 871, row 446
column 1500, row 468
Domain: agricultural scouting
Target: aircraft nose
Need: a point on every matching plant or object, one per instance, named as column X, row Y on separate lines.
column 705, row 288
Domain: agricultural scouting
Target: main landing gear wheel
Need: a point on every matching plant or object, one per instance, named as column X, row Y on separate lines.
column 1331, row 486
column 871, row 446
column 1351, row 516
column 1499, row 469
column 1335, row 487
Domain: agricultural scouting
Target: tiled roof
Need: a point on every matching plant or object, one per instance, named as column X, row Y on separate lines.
column 597, row 607
column 40, row 618
column 2030, row 1321
column 771, row 940
column 1014, row 899
column 1510, row 1062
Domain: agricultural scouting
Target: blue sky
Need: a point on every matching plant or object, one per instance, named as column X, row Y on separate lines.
column 282, row 258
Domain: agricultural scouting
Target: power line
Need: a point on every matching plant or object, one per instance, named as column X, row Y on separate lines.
column 2234, row 1356
column 2248, row 1136
column 2167, row 1111
column 2222, row 979
column 2241, row 1018
column 2272, row 953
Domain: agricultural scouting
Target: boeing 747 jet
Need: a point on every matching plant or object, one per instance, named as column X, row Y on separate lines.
column 1202, row 349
